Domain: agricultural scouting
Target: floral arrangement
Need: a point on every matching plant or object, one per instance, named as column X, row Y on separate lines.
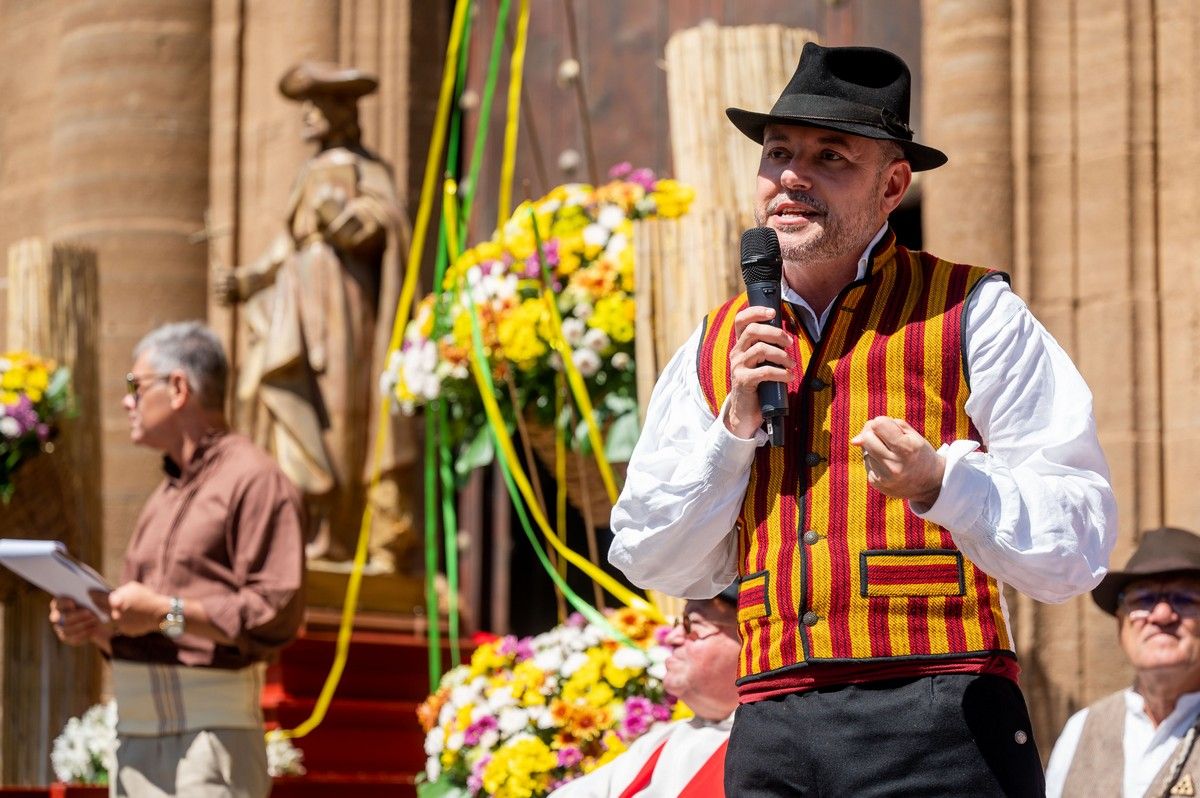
column 83, row 752
column 528, row 715
column 34, row 395
column 586, row 259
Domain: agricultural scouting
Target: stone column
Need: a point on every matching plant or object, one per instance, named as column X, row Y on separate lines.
column 968, row 114
column 1060, row 119
column 130, row 147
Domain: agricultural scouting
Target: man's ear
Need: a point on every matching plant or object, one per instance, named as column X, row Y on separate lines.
column 898, row 179
column 181, row 391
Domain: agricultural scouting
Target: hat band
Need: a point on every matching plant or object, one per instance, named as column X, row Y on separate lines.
column 821, row 108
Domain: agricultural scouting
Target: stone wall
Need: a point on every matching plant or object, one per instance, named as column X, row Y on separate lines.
column 1071, row 134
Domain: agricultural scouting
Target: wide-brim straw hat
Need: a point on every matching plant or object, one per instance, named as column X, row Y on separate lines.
column 863, row 91
column 1165, row 552
column 310, row 79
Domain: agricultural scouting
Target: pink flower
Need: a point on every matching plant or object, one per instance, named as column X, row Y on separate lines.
column 476, row 730
column 569, row 757
column 620, row 170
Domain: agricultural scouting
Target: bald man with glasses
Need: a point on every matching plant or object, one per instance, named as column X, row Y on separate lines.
column 1155, row 722
column 684, row 759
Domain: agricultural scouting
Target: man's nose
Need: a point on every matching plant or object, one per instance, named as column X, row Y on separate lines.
column 1162, row 611
column 795, row 175
column 129, row 402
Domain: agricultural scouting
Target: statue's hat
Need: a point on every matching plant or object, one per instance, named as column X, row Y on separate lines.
column 312, row 78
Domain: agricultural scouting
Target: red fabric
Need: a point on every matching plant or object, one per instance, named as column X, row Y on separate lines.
column 642, row 779
column 819, row 675
column 709, row 781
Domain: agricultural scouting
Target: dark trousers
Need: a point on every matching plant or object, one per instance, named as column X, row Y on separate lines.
column 957, row 736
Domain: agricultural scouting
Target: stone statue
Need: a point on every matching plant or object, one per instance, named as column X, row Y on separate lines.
column 318, row 314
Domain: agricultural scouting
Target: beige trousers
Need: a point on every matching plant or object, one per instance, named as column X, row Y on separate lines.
column 210, row 763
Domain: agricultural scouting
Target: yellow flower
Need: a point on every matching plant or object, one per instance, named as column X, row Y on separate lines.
column 527, row 680
column 523, row 332
column 615, row 314
column 519, row 769
column 672, row 198
column 681, row 711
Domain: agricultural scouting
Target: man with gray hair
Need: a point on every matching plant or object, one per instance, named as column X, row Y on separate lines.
column 211, row 585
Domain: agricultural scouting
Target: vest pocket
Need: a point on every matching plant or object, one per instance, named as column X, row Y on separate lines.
column 754, row 600
column 919, row 572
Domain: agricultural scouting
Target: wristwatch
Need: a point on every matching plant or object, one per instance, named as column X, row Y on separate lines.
column 172, row 623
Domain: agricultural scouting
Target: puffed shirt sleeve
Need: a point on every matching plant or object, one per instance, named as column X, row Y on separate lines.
column 1035, row 509
column 673, row 523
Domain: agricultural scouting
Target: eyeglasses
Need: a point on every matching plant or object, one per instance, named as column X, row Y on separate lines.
column 1138, row 604
column 690, row 631
column 134, row 383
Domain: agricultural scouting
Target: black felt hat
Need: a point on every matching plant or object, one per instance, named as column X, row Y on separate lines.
column 1163, row 552
column 859, row 90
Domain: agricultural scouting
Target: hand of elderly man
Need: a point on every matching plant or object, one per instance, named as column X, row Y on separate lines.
column 75, row 625
column 899, row 461
column 759, row 355
column 136, row 609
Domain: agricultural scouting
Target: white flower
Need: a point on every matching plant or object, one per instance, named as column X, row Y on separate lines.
column 9, row 427
column 573, row 330
column 587, row 361
column 433, row 768
column 283, row 758
column 629, row 657
column 573, row 663
column 83, row 752
column 596, row 340
column 488, row 740
column 595, row 235
column 455, row 742
column 5, row 364
column 616, row 245
column 549, row 661
column 621, row 361
column 584, row 310
column 611, row 216
column 512, row 720
column 435, row 741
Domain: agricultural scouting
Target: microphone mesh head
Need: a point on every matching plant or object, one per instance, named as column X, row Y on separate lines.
column 761, row 261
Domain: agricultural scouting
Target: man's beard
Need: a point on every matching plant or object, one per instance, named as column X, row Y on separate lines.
column 837, row 237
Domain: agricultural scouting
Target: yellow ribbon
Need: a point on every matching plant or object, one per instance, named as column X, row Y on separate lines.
column 516, row 71
column 416, row 247
column 506, row 450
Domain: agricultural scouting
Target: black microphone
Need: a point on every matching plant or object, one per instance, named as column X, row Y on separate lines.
column 762, row 270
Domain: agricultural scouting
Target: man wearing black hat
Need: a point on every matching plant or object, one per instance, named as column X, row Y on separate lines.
column 939, row 444
column 1154, row 723
column 684, row 759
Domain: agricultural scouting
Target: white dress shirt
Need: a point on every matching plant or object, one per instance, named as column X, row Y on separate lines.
column 689, row 744
column 1146, row 748
column 1036, row 510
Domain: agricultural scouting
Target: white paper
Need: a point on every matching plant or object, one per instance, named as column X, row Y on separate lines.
column 47, row 564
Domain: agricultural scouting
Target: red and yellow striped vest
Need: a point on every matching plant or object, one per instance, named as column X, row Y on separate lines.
column 831, row 570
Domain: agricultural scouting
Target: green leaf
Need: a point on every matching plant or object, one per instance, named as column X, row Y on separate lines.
column 442, row 788
column 622, row 436
column 476, row 454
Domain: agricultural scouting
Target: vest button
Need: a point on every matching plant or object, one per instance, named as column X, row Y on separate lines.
column 812, row 459
column 817, row 384
column 810, row 618
column 811, row 537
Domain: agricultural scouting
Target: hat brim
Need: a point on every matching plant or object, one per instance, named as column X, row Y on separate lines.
column 753, row 124
column 1108, row 592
